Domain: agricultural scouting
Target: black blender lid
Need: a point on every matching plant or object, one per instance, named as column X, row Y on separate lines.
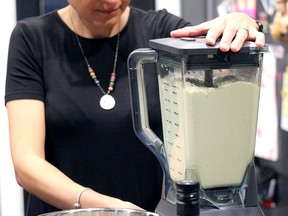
column 198, row 46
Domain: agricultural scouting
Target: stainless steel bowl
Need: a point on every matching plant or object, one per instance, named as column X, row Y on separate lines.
column 101, row 212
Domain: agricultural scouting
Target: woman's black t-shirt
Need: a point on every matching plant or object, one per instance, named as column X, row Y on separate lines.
column 94, row 147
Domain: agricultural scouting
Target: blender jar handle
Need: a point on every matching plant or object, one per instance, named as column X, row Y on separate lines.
column 139, row 107
column 138, row 95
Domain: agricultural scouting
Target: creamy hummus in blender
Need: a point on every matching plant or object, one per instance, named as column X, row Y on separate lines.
column 209, row 131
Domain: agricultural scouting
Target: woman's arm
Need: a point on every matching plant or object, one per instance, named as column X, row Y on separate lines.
column 34, row 173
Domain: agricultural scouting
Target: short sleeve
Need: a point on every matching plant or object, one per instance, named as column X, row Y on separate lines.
column 24, row 71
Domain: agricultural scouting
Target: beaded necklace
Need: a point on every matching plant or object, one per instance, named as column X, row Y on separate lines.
column 107, row 102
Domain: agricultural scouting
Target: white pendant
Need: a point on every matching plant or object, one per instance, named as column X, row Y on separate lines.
column 107, row 102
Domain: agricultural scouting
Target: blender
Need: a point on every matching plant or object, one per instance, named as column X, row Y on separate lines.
column 209, row 106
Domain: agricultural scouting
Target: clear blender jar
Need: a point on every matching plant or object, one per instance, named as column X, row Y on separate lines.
column 209, row 105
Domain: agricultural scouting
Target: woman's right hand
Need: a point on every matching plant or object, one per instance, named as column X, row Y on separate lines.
column 94, row 199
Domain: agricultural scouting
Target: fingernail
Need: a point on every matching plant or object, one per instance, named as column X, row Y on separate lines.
column 224, row 46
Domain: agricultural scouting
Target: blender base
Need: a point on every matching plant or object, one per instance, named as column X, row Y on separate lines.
column 165, row 208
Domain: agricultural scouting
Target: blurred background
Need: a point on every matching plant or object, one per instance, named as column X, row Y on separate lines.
column 272, row 133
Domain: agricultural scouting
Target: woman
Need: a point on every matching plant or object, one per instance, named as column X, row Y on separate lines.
column 64, row 134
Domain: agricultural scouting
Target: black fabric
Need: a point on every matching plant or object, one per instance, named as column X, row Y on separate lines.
column 95, row 148
column 144, row 5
